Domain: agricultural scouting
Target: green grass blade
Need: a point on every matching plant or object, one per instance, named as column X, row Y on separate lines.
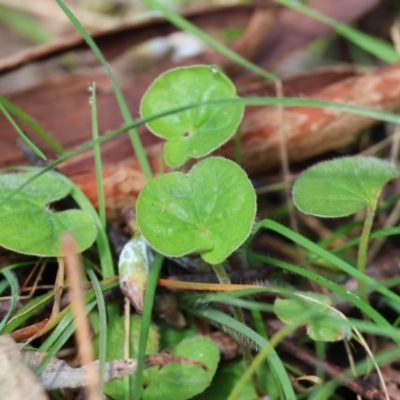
column 22, row 116
column 273, row 358
column 339, row 290
column 21, row 134
column 3, row 286
column 328, row 389
column 97, row 159
column 13, row 283
column 371, row 44
column 64, row 318
column 145, row 324
column 103, row 325
column 64, row 334
column 259, row 358
column 326, row 255
column 28, row 310
column 24, row 24
column 137, row 144
column 185, row 25
column 103, row 246
column 374, row 235
column 259, row 321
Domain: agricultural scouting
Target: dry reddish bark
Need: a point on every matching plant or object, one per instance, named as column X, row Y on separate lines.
column 311, row 131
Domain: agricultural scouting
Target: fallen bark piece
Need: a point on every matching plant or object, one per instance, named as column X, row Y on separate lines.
column 312, row 131
column 17, row 381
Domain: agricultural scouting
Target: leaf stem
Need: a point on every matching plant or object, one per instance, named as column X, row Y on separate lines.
column 362, row 250
column 223, row 278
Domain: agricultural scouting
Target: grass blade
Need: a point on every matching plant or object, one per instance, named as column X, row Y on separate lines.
column 273, row 359
column 185, row 25
column 371, row 44
column 25, row 118
column 97, row 159
column 13, row 283
column 145, row 325
column 137, row 144
column 21, row 134
column 103, row 326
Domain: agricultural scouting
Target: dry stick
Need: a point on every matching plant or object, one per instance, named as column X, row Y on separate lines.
column 31, row 290
column 238, row 314
column 351, row 361
column 31, row 274
column 58, row 287
column 82, row 332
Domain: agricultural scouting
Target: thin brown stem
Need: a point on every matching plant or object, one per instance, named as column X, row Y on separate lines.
column 362, row 250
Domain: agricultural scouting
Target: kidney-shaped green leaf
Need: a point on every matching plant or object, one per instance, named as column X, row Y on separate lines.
column 343, row 186
column 210, row 210
column 197, row 131
column 323, row 323
column 183, row 381
column 29, row 226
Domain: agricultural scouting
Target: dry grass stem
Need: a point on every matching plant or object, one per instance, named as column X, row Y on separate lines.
column 82, row 332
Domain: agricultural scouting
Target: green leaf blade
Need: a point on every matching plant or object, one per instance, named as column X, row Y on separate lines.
column 342, row 186
column 29, row 226
column 210, row 210
column 180, row 381
column 324, row 323
column 195, row 132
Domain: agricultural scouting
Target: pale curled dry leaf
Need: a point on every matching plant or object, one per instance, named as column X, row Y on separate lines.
column 17, row 381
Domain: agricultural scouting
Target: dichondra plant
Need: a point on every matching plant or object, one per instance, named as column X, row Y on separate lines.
column 197, row 131
column 30, row 226
column 341, row 187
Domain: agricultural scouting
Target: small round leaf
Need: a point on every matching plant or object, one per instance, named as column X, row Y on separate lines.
column 197, row 131
column 29, row 226
column 323, row 324
column 342, row 186
column 184, row 381
column 210, row 210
